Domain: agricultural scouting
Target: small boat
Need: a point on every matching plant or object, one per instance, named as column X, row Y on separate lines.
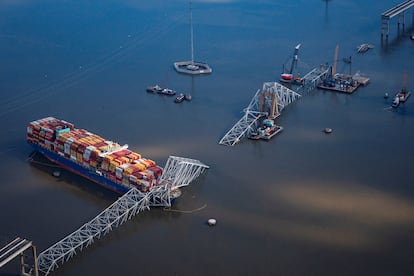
column 364, row 47
column 402, row 96
column 179, row 98
column 328, row 130
column 168, row 92
column 188, row 97
column 396, row 102
column 154, row 89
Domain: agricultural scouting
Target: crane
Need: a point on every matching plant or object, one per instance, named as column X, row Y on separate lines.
column 288, row 77
column 335, row 60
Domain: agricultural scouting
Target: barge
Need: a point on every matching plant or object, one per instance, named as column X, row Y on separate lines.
column 266, row 131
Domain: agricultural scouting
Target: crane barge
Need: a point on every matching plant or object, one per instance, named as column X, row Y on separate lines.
column 288, row 77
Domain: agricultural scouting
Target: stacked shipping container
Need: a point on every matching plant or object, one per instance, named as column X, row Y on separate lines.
column 94, row 153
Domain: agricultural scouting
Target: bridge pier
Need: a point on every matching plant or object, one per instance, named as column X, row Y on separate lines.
column 18, row 247
column 394, row 11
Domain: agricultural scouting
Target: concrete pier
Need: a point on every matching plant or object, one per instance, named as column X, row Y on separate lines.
column 398, row 10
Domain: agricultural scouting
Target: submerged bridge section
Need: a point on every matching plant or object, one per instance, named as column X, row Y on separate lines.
column 179, row 172
column 398, row 10
column 268, row 101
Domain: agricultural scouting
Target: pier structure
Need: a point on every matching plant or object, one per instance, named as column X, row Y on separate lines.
column 19, row 247
column 180, row 172
column 398, row 10
column 268, row 101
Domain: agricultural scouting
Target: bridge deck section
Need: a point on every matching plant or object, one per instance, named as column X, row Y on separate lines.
column 180, row 172
column 398, row 9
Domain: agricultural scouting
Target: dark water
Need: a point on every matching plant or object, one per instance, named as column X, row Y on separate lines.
column 303, row 203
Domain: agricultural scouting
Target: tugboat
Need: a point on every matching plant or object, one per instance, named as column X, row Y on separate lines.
column 179, row 98
column 402, row 96
column 266, row 131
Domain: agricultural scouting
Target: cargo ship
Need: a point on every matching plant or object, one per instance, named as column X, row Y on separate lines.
column 105, row 162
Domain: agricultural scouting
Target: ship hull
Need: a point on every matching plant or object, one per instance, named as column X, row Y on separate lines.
column 79, row 170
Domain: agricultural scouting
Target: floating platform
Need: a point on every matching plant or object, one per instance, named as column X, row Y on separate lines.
column 192, row 67
column 344, row 83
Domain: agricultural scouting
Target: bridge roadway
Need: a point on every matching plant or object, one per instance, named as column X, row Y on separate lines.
column 394, row 11
column 16, row 248
column 178, row 172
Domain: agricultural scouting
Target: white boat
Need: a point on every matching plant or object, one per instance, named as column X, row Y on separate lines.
column 364, row 47
column 402, row 96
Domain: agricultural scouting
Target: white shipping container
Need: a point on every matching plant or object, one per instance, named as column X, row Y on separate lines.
column 118, row 172
column 68, row 143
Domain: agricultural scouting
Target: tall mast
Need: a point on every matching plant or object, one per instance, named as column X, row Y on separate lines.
column 404, row 86
column 191, row 31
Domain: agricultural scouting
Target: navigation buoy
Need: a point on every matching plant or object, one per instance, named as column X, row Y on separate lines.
column 56, row 173
column 211, row 222
column 328, row 130
column 386, row 96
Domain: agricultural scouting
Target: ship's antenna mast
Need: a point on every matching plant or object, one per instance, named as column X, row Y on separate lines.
column 191, row 31
column 404, row 87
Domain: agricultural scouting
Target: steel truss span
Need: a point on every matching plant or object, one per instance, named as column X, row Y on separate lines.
column 178, row 172
column 268, row 101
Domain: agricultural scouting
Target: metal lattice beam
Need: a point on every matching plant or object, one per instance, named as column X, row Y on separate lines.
column 178, row 172
column 315, row 75
column 117, row 213
column 243, row 127
column 284, row 95
column 270, row 100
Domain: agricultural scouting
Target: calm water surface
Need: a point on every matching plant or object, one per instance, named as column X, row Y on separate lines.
column 303, row 203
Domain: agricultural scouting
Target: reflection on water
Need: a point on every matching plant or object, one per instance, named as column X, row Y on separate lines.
column 302, row 203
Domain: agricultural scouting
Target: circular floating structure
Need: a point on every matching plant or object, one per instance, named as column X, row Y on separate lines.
column 192, row 67
column 328, row 130
column 211, row 222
